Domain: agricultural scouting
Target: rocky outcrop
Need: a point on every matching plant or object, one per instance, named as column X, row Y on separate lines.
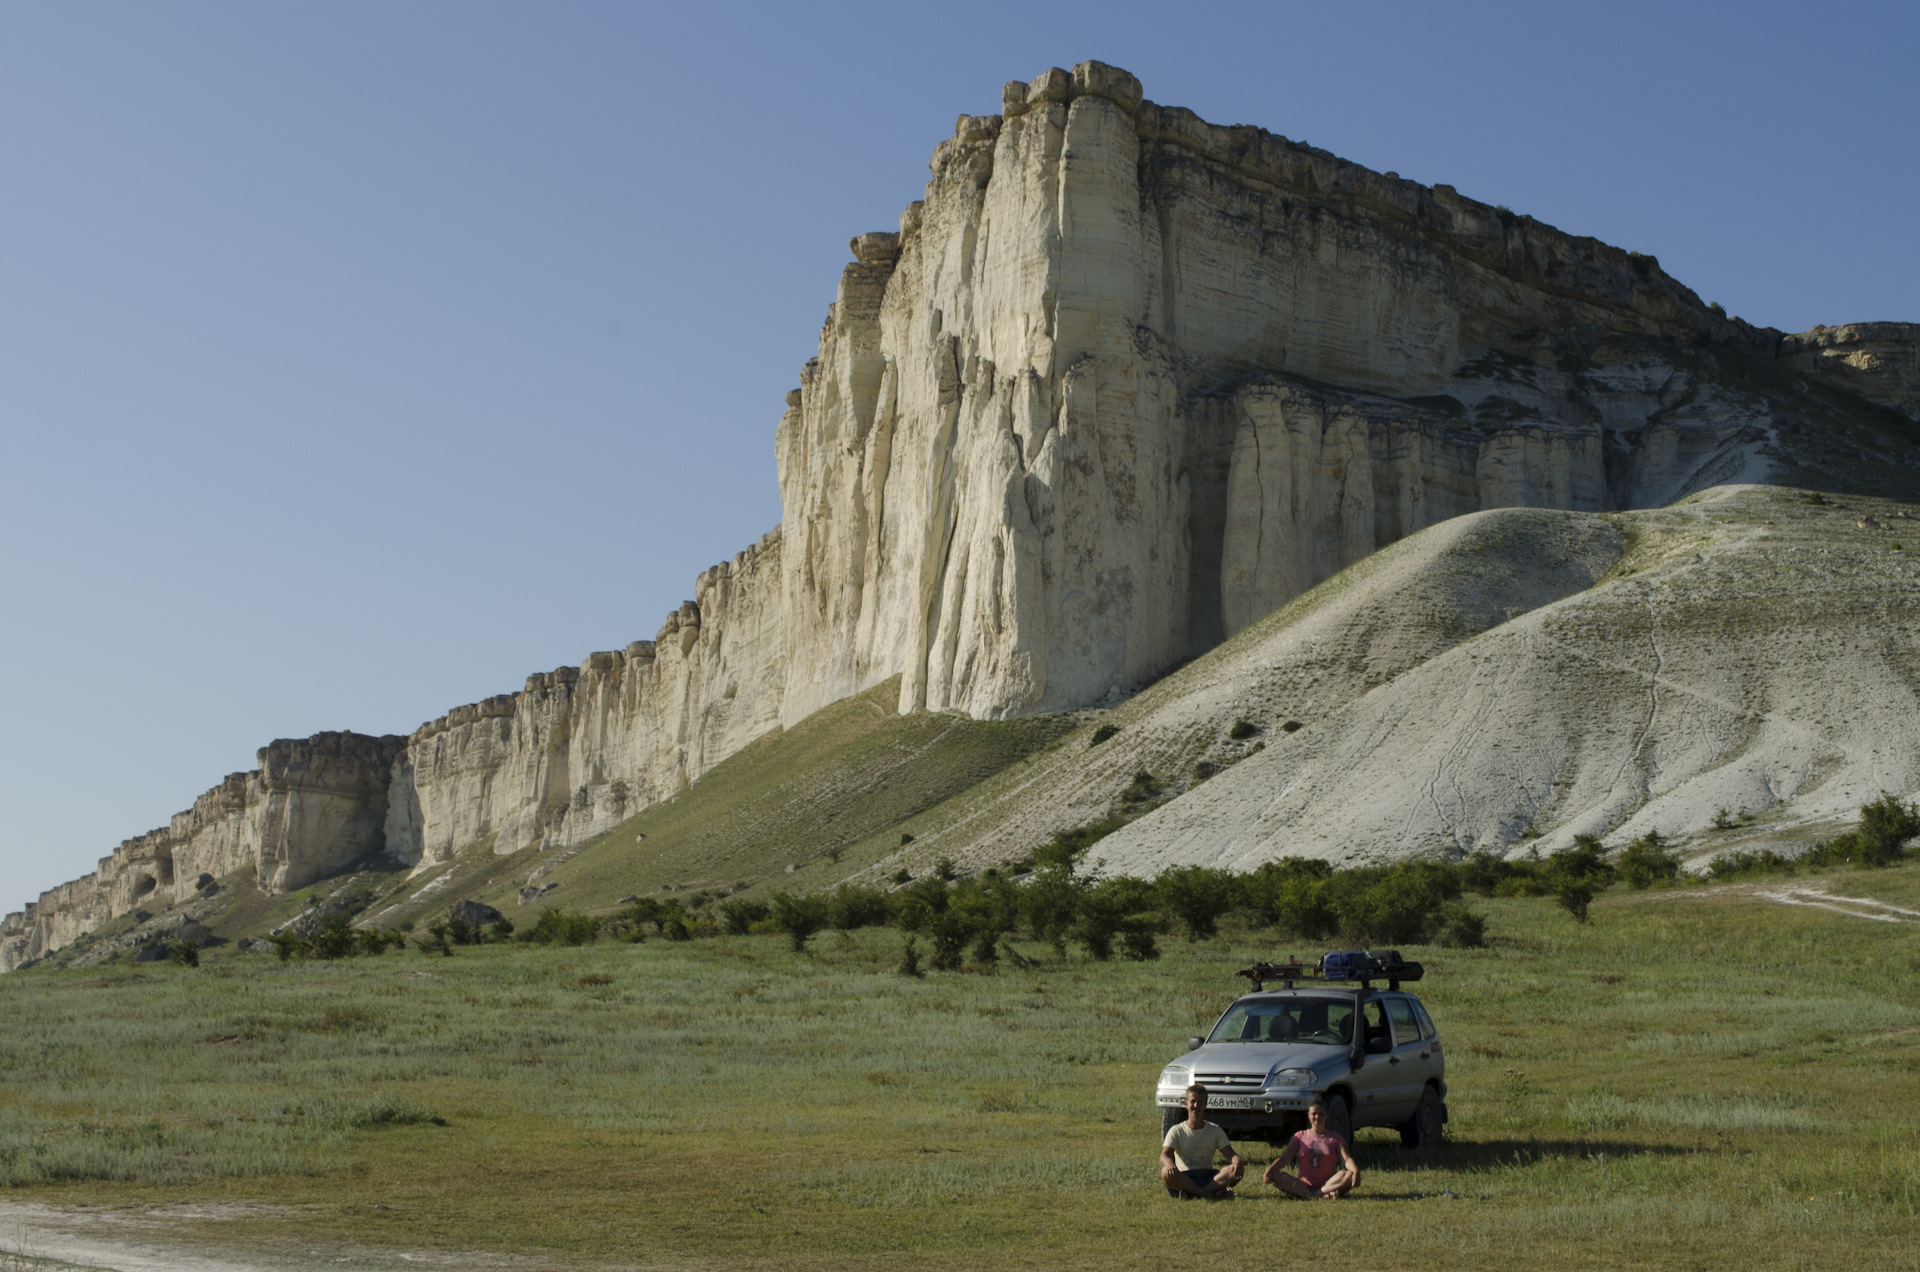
column 1880, row 361
column 1119, row 385
column 1125, row 380
column 314, row 806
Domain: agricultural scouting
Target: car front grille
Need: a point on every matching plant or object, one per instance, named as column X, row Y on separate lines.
column 1231, row 1081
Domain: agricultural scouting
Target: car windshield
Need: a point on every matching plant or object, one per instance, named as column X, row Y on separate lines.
column 1323, row 1020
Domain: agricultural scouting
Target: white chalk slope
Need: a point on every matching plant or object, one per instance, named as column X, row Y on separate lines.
column 1510, row 679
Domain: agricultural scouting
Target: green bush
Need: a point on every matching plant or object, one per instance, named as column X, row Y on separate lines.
column 1730, row 865
column 334, row 938
column 1392, row 905
column 1461, row 928
column 799, row 916
column 1647, row 861
column 185, row 953
column 1574, row 895
column 738, row 916
column 563, row 927
column 1243, row 729
column 1198, row 896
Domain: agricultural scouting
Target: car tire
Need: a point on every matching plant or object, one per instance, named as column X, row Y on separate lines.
column 1423, row 1129
column 1170, row 1118
column 1339, row 1118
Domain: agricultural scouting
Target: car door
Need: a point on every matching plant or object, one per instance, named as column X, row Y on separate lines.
column 1374, row 1094
column 1407, row 1066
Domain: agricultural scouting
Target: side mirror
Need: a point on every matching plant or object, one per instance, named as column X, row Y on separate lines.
column 1194, row 1043
column 1380, row 1046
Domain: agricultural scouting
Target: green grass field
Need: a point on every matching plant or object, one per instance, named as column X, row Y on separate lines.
column 1697, row 1078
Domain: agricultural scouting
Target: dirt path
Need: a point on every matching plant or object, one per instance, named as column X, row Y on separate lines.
column 1853, row 907
column 42, row 1238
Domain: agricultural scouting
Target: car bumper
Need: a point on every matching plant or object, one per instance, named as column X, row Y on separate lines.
column 1277, row 1101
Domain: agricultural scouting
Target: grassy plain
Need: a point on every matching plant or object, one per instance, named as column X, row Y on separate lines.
column 1697, row 1078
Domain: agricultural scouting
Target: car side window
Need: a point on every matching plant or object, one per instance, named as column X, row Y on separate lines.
column 1426, row 1022
column 1405, row 1028
column 1376, row 1022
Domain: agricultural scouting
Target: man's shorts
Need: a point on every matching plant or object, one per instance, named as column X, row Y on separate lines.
column 1200, row 1178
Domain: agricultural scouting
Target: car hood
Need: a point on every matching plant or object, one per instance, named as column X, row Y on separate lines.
column 1258, row 1057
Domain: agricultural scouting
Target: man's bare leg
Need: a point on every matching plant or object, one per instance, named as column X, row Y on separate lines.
column 1177, row 1181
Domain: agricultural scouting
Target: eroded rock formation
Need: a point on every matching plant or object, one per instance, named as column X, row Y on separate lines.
column 1119, row 385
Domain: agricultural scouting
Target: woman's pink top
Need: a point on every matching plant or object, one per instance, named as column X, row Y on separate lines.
column 1318, row 1156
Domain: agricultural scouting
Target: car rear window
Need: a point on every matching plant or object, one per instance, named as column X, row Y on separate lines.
column 1426, row 1022
column 1405, row 1028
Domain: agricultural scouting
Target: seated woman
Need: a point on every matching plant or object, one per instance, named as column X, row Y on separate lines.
column 1327, row 1171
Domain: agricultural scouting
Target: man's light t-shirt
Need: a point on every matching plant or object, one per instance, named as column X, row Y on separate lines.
column 1194, row 1150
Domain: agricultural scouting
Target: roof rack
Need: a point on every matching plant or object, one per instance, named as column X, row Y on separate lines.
column 1334, row 967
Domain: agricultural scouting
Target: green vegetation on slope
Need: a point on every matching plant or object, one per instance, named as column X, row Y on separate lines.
column 854, row 771
column 1694, row 1078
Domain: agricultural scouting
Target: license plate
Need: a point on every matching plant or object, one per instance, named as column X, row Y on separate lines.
column 1229, row 1101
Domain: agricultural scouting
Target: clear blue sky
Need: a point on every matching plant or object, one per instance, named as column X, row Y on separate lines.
column 358, row 359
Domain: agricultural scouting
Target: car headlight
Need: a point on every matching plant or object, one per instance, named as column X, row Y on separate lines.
column 1293, row 1078
column 1175, row 1075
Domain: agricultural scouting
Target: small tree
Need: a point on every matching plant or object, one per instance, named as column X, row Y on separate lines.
column 1574, row 896
column 799, row 917
column 185, row 953
column 286, row 945
column 1197, row 896
column 737, row 917
column 1647, row 861
column 910, row 960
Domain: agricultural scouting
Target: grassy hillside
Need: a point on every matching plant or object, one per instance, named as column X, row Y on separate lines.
column 822, row 798
column 1699, row 1078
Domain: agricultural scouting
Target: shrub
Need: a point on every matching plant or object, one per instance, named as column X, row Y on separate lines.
column 1137, row 932
column 1398, row 904
column 737, row 917
column 435, row 939
column 1574, row 895
column 799, row 917
column 945, row 869
column 1143, row 789
column 562, row 927
column 286, row 945
column 372, row 941
column 1243, row 729
column 1461, row 928
column 851, row 906
column 1290, row 894
column 1585, row 862
column 1647, row 861
column 185, row 953
column 1886, row 826
column 1102, row 733
column 1197, row 896
column 1730, row 865
column 910, row 960
column 334, row 938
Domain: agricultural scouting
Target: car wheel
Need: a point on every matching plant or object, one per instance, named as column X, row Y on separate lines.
column 1170, row 1118
column 1422, row 1130
column 1339, row 1120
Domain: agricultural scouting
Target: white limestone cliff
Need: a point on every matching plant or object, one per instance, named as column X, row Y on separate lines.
column 1121, row 383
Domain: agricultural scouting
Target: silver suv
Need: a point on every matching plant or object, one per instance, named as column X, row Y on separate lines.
column 1272, row 1052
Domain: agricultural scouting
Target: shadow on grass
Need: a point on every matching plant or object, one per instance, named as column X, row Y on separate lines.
column 1483, row 1154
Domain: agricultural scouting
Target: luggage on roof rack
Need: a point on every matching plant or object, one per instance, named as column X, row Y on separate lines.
column 1365, row 966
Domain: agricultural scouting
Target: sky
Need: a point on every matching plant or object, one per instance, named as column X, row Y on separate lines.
column 359, row 359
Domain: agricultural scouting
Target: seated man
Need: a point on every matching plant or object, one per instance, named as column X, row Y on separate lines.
column 1186, row 1154
column 1327, row 1169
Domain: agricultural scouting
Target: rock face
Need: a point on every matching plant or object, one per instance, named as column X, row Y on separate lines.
column 1121, row 383
column 1878, row 360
